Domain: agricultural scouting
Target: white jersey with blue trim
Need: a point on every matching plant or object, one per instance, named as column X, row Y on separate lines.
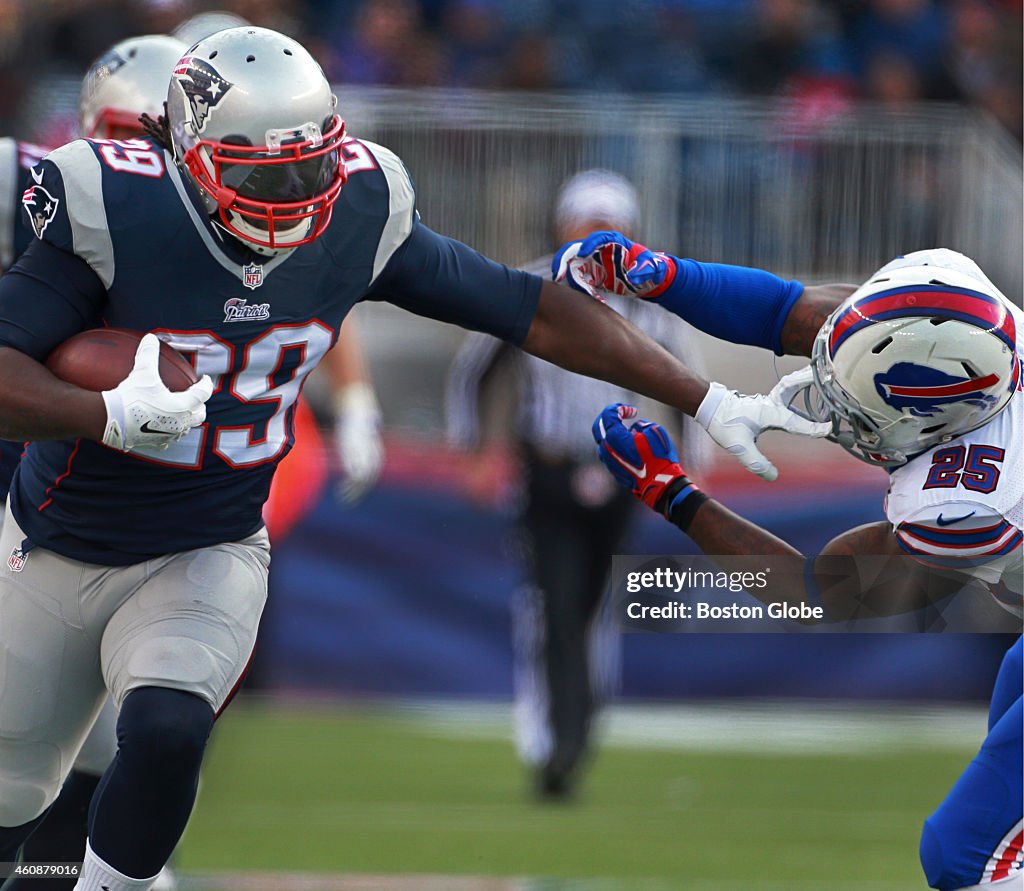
column 961, row 504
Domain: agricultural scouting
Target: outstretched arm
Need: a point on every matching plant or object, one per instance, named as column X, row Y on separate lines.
column 735, row 303
column 808, row 314
column 588, row 337
column 863, row 573
column 443, row 279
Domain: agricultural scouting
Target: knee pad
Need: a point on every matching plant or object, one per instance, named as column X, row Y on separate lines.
column 172, row 662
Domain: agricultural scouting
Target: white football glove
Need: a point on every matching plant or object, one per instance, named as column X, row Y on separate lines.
column 791, row 390
column 142, row 412
column 735, row 422
column 357, row 440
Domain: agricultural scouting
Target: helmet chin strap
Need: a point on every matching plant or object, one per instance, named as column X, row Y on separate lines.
column 261, row 249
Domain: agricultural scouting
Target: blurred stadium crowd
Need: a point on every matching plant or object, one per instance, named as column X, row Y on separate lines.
column 897, row 52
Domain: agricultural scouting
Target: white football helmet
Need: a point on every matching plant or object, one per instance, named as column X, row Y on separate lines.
column 253, row 124
column 128, row 79
column 923, row 352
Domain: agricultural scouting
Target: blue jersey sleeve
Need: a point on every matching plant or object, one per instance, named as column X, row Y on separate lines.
column 45, row 297
column 44, row 206
column 55, row 289
column 734, row 303
column 441, row 278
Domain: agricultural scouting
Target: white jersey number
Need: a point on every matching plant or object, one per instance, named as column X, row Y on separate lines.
column 131, row 156
column 253, row 383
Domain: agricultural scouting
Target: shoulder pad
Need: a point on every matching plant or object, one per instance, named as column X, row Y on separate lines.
column 401, row 200
column 64, row 205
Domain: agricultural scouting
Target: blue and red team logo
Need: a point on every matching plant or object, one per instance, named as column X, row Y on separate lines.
column 40, row 206
column 924, row 391
column 203, row 86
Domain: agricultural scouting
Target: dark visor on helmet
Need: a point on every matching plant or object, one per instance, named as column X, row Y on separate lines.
column 278, row 179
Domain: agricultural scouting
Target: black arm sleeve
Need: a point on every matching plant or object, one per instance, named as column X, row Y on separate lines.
column 45, row 297
column 443, row 279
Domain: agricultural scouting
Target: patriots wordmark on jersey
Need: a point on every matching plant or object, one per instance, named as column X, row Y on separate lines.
column 123, row 241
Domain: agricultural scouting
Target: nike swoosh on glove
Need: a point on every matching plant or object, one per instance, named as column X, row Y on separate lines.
column 143, row 413
column 609, row 262
column 641, row 457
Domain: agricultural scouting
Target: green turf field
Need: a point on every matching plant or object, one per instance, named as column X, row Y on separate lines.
column 375, row 792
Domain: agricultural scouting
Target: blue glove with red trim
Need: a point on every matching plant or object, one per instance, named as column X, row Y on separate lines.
column 641, row 457
column 610, row 262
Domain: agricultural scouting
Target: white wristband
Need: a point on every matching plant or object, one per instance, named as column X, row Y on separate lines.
column 709, row 405
column 356, row 398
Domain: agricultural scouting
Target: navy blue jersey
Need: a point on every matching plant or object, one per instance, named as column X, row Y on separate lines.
column 123, row 243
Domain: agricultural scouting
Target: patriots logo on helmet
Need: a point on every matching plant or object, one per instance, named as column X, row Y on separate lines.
column 203, row 86
column 924, row 391
column 40, row 206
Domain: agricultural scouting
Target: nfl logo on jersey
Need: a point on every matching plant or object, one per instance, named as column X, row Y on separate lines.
column 16, row 562
column 252, row 276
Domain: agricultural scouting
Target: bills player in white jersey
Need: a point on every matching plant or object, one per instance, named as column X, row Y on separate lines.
column 918, row 371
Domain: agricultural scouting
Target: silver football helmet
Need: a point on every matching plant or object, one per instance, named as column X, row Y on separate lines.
column 923, row 352
column 253, row 124
column 128, row 79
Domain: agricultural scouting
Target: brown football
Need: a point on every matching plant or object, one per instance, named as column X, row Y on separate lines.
column 100, row 358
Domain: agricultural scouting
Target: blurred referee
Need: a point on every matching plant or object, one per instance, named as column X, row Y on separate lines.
column 572, row 518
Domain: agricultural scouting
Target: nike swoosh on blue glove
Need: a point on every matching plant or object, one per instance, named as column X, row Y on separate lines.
column 626, row 267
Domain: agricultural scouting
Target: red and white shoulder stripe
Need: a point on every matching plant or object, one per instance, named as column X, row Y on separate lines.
column 1008, row 858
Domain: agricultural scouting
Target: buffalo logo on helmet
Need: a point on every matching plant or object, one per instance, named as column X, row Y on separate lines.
column 40, row 206
column 203, row 86
column 924, row 391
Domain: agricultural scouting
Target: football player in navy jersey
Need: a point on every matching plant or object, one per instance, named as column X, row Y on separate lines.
column 126, row 81
column 123, row 83
column 241, row 233
column 918, row 371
